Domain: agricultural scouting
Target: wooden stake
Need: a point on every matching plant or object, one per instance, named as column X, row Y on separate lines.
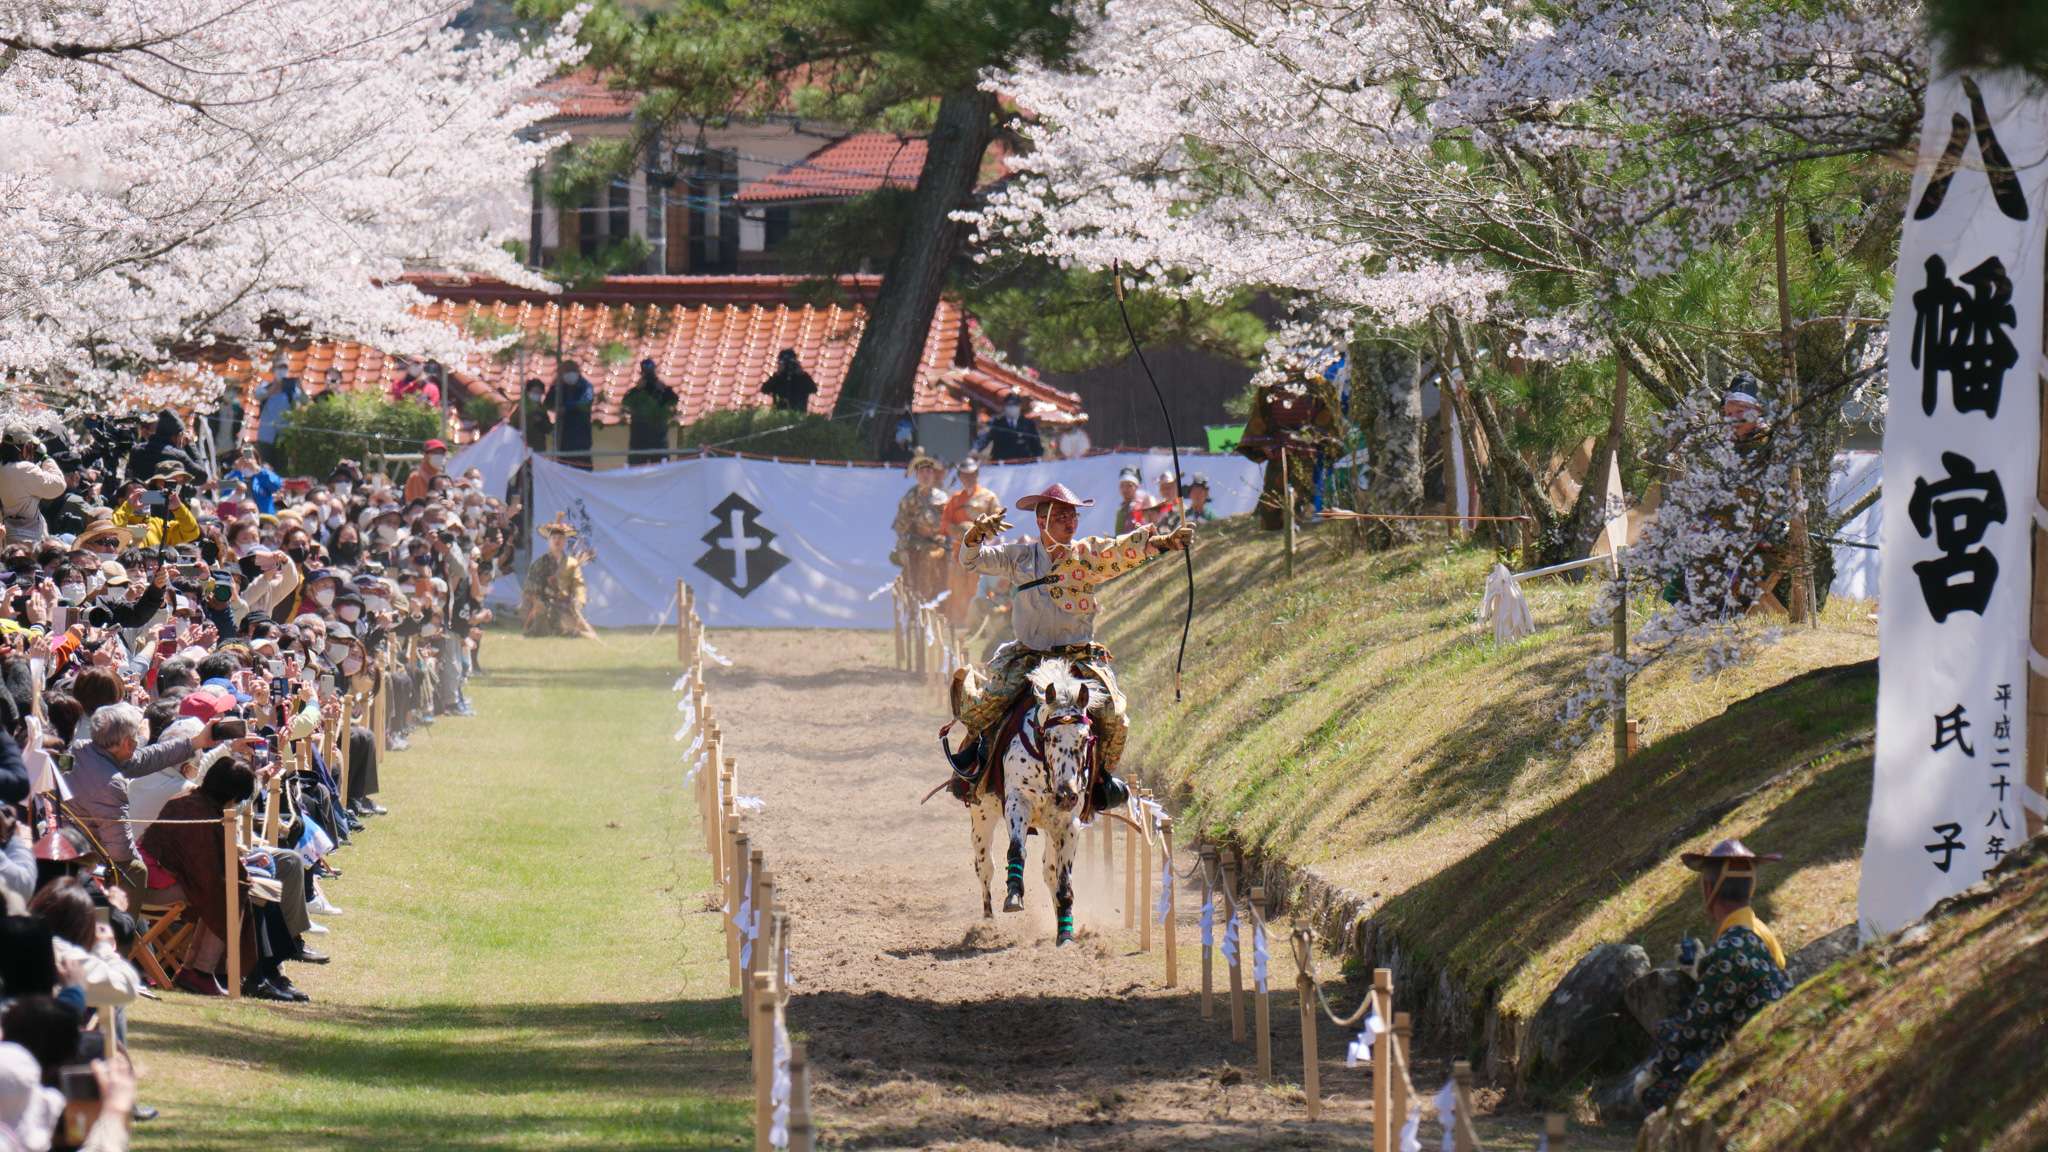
column 1464, row 1137
column 1303, row 941
column 1208, row 863
column 764, row 1058
column 1131, row 838
column 271, row 792
column 1399, row 1080
column 1172, row 925
column 229, row 818
column 734, row 877
column 801, row 1136
column 750, row 893
column 1553, row 1131
column 1263, row 1010
column 1229, row 859
column 1144, row 901
column 1384, row 1126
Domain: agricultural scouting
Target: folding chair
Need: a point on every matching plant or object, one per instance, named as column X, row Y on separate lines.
column 161, row 950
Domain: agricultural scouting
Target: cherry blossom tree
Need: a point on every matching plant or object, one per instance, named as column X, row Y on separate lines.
column 175, row 172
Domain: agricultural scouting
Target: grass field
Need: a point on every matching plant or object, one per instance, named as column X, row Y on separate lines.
column 524, row 961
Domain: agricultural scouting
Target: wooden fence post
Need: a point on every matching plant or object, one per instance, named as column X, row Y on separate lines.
column 734, row 877
column 1384, row 1127
column 271, row 792
column 1262, row 1015
column 763, row 996
column 1131, row 837
column 1235, row 960
column 751, row 936
column 1171, row 926
column 1207, row 857
column 1144, row 901
column 801, row 1136
column 229, row 818
column 1400, row 1078
column 1464, row 1137
column 1303, row 941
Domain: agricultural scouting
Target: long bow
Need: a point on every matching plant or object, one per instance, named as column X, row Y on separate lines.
column 1172, row 443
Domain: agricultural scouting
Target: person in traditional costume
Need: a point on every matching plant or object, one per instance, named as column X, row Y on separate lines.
column 1741, row 972
column 920, row 528
column 1053, row 608
column 553, row 599
column 1294, row 426
column 963, row 508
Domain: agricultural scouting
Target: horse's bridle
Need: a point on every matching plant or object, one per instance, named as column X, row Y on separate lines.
column 1034, row 741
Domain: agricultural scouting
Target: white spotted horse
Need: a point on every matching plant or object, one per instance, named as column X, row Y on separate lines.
column 1047, row 763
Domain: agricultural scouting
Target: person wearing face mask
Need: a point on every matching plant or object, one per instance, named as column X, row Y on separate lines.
column 1011, row 435
column 436, row 461
column 790, row 386
column 283, row 395
column 650, row 409
column 347, row 547
column 264, row 483
column 568, row 405
column 270, row 578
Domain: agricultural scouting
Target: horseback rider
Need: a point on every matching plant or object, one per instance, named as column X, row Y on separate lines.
column 1053, row 611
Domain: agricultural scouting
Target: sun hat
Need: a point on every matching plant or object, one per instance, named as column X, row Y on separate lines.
column 1057, row 494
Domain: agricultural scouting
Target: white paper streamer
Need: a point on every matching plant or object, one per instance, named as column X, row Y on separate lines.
column 1230, row 940
column 1259, row 956
column 1408, row 1141
column 882, row 589
column 939, row 599
column 680, row 731
column 1165, row 904
column 750, row 928
column 1360, row 1050
column 682, row 683
column 1208, row 919
column 713, row 653
column 750, row 803
column 1447, row 1111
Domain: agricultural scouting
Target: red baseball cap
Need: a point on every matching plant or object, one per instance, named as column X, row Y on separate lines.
column 435, row 446
column 206, row 704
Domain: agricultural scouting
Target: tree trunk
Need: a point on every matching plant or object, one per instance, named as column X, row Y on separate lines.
column 1386, row 394
column 881, row 379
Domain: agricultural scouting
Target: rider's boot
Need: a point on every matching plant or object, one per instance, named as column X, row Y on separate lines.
column 967, row 768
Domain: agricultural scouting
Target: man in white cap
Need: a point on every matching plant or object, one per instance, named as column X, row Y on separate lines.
column 1053, row 610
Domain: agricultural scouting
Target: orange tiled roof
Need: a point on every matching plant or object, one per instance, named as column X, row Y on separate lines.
column 714, row 339
column 859, row 163
column 585, row 93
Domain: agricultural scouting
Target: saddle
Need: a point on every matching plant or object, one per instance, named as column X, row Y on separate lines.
column 978, row 768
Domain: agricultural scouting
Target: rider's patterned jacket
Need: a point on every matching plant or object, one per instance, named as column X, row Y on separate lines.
column 1063, row 611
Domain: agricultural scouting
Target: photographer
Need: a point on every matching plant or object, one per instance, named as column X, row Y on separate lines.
column 159, row 505
column 68, row 512
column 166, row 444
column 26, row 480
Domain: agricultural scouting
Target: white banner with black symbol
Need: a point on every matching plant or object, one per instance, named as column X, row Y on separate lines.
column 1960, row 451
column 796, row 545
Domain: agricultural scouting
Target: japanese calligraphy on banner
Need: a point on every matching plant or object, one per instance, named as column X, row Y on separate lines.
column 1960, row 447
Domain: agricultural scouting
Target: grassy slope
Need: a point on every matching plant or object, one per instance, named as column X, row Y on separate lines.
column 1904, row 1047
column 522, row 963
column 1358, row 720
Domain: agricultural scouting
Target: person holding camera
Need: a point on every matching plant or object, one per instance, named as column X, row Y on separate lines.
column 166, row 443
column 27, row 479
column 159, row 507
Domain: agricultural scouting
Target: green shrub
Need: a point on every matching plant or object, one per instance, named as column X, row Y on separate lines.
column 353, row 425
column 484, row 412
column 774, row 432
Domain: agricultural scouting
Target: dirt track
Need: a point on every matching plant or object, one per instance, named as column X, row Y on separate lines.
column 928, row 1026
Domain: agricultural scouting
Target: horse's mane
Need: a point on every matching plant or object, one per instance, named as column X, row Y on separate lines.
column 1057, row 673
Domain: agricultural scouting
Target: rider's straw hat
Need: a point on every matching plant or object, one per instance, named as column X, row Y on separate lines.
column 1057, row 494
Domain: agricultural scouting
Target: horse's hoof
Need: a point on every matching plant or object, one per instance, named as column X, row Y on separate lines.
column 1013, row 903
column 988, row 911
column 1065, row 938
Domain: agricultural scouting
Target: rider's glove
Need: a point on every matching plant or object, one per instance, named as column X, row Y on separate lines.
column 1178, row 538
column 992, row 524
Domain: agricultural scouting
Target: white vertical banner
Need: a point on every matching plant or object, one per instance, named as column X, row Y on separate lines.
column 1960, row 450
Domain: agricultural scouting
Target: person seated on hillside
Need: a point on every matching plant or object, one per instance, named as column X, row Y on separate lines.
column 1742, row 972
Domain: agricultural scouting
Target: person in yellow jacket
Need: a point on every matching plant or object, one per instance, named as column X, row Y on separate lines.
column 168, row 522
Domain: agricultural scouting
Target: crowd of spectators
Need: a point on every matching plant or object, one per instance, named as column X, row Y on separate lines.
column 178, row 637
